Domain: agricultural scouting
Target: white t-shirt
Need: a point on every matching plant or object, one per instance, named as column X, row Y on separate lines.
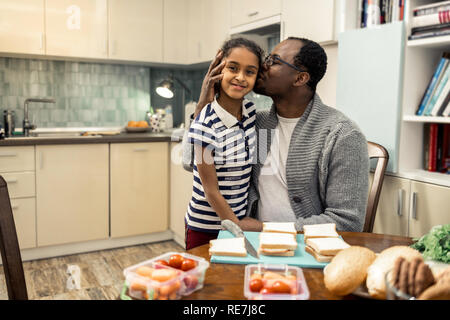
column 274, row 202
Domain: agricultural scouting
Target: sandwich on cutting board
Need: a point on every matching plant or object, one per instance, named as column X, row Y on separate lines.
column 278, row 239
column 322, row 241
column 234, row 247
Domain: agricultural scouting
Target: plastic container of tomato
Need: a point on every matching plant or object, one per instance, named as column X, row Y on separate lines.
column 164, row 278
column 274, row 282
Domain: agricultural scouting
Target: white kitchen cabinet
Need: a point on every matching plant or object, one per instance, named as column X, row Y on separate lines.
column 76, row 28
column 432, row 207
column 411, row 208
column 72, row 201
column 393, row 207
column 175, row 31
column 306, row 20
column 24, row 213
column 139, row 188
column 208, row 28
column 22, row 26
column 320, row 21
column 246, row 11
column 17, row 167
column 135, row 30
column 180, row 192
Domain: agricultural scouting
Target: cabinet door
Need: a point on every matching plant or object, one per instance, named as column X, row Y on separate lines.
column 432, row 207
column 24, row 212
column 76, row 28
column 22, row 26
column 246, row 11
column 136, row 30
column 139, row 188
column 180, row 192
column 175, row 33
column 312, row 21
column 71, row 193
column 393, row 207
column 203, row 43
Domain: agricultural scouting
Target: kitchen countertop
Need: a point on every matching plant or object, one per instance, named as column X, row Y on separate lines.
column 123, row 137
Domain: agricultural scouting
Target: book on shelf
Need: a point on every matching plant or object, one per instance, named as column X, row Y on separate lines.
column 432, row 147
column 431, row 8
column 434, row 27
column 375, row 12
column 426, row 145
column 440, row 17
column 444, row 165
column 443, row 105
column 436, row 147
column 433, row 83
column 442, row 82
column 446, row 112
column 429, row 34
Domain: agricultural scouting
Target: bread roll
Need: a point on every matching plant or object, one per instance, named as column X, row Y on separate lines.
column 383, row 263
column 348, row 270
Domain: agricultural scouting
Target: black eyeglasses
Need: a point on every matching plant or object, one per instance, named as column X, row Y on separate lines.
column 268, row 61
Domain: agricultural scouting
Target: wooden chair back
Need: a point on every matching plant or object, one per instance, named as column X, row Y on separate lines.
column 9, row 246
column 376, row 151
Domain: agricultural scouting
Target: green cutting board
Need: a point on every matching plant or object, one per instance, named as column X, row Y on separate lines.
column 300, row 258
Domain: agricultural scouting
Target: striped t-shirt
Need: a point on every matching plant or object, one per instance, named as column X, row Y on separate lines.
column 232, row 143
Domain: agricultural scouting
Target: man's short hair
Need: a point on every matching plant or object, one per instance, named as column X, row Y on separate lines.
column 312, row 57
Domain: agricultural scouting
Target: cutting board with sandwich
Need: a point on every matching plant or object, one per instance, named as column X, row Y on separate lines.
column 278, row 243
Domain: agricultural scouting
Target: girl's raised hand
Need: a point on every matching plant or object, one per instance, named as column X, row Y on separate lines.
column 213, row 76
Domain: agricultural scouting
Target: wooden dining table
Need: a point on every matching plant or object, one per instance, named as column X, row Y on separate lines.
column 226, row 281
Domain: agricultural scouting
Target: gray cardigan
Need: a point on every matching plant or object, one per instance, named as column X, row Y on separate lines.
column 327, row 167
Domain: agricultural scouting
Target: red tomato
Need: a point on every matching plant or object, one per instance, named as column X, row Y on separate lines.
column 188, row 264
column 280, row 287
column 256, row 285
column 163, row 262
column 175, row 261
column 266, row 290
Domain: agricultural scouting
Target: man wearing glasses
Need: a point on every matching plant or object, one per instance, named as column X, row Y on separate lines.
column 312, row 164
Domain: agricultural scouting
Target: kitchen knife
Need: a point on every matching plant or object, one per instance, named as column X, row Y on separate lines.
column 237, row 232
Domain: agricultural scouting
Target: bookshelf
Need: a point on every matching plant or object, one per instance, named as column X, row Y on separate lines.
column 382, row 77
column 423, row 119
column 421, row 58
column 435, row 42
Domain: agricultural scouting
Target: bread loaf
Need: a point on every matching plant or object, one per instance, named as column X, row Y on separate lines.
column 348, row 270
column 383, row 263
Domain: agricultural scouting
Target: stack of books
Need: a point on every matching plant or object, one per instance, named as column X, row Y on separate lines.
column 436, row 98
column 375, row 12
column 436, row 147
column 432, row 20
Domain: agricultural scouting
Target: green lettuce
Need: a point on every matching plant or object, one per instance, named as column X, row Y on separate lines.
column 435, row 244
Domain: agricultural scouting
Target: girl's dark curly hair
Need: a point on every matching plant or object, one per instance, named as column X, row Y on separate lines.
column 312, row 57
column 243, row 43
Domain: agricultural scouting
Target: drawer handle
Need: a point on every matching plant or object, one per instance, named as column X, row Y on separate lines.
column 252, row 14
column 8, row 154
column 140, row 150
column 11, row 180
column 414, row 205
column 400, row 203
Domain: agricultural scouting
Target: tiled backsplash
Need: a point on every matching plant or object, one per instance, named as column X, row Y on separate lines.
column 87, row 94
column 93, row 94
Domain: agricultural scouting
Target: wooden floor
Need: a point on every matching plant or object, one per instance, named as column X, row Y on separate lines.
column 101, row 272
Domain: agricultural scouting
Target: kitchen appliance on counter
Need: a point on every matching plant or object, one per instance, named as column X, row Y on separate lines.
column 9, row 118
